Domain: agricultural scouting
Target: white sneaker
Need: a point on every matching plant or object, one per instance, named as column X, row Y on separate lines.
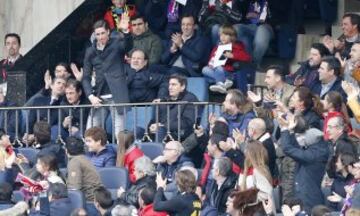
column 228, row 83
column 219, row 87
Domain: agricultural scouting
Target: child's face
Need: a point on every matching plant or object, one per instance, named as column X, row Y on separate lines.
column 118, row 3
column 224, row 38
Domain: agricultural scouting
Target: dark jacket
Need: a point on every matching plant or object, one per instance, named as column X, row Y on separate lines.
column 105, row 158
column 316, row 89
column 217, row 197
column 311, row 162
column 309, row 73
column 132, row 194
column 44, row 99
column 145, row 86
column 151, row 44
column 184, row 204
column 194, row 53
column 187, row 115
column 268, row 143
column 108, row 65
column 76, row 113
column 59, row 207
column 10, row 117
column 55, row 149
column 312, row 119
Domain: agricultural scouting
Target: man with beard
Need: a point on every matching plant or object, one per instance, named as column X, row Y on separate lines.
column 308, row 74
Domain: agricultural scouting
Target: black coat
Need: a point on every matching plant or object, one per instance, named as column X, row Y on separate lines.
column 109, row 67
column 76, row 114
column 132, row 194
column 311, row 163
column 145, row 86
column 316, row 89
column 217, row 197
column 187, row 115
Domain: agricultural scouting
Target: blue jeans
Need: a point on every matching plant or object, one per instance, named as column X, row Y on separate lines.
column 255, row 38
column 215, row 75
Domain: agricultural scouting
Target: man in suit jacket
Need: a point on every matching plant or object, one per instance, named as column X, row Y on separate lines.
column 106, row 58
column 12, row 47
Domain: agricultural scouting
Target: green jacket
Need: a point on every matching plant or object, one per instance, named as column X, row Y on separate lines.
column 150, row 43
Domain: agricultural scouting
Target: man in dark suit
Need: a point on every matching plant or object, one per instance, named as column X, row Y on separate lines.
column 106, row 58
column 12, row 47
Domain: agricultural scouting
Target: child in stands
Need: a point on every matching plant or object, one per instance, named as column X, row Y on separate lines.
column 222, row 75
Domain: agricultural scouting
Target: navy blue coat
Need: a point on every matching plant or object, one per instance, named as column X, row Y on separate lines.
column 145, row 86
column 311, row 163
column 194, row 53
column 316, row 89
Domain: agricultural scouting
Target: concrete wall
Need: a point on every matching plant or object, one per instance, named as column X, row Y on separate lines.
column 32, row 19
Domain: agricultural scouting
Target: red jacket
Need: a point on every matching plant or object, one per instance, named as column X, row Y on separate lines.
column 130, row 156
column 108, row 17
column 239, row 52
column 149, row 211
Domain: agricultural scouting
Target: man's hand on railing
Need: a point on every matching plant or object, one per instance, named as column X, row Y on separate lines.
column 157, row 100
column 28, row 138
column 154, row 127
column 198, row 130
column 67, row 121
column 95, row 101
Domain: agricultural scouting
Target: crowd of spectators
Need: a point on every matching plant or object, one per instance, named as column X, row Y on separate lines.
column 293, row 149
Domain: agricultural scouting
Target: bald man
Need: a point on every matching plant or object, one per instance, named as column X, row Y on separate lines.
column 257, row 131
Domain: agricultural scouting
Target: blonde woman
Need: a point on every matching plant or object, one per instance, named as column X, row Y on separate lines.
column 256, row 172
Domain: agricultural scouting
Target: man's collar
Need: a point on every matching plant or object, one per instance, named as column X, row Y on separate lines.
column 13, row 59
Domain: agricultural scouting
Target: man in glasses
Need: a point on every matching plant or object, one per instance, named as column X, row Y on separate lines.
column 145, row 40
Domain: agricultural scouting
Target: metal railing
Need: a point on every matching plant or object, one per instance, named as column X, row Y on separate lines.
column 17, row 121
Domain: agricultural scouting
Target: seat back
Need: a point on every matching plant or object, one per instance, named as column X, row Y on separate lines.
column 113, row 178
column 77, row 199
column 29, row 153
column 199, row 87
column 17, row 196
column 151, row 149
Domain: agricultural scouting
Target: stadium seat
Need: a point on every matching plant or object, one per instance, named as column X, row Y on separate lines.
column 30, row 154
column 199, row 87
column 216, row 109
column 63, row 172
column 77, row 199
column 151, row 149
column 113, row 178
column 17, row 196
column 277, row 198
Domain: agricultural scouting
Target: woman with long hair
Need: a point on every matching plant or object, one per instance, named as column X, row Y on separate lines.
column 334, row 106
column 127, row 153
column 47, row 166
column 256, row 172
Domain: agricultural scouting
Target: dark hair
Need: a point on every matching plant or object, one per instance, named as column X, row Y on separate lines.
column 186, row 181
column 292, row 201
column 6, row 191
column 189, row 15
column 335, row 99
column 12, row 35
column 49, row 160
column 101, row 24
column 320, row 210
column 215, row 139
column 74, row 146
column 332, row 64
column 147, row 194
column 74, row 83
column 354, row 19
column 323, row 50
column 58, row 190
column 103, row 197
column 181, row 79
column 220, row 127
column 65, row 65
column 301, row 124
column 138, row 16
column 125, row 139
column 42, row 132
column 310, row 100
column 146, row 57
column 240, row 100
column 97, row 134
column 278, row 70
